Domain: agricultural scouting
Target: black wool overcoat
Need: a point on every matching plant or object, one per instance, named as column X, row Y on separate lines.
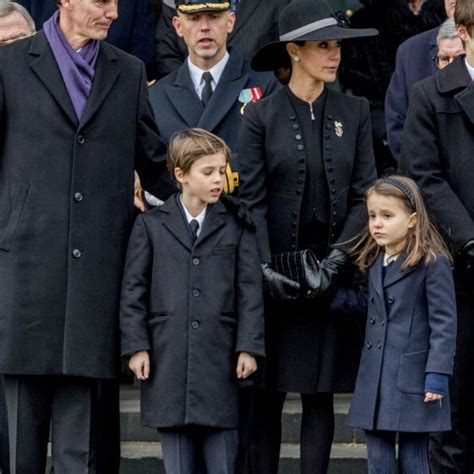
column 411, row 330
column 194, row 308
column 305, row 348
column 437, row 149
column 66, row 208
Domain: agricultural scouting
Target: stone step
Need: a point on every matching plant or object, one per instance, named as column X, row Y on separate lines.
column 131, row 429
column 145, row 457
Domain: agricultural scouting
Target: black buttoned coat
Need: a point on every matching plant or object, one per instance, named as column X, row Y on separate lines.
column 437, row 149
column 273, row 166
column 411, row 330
column 194, row 308
column 66, row 208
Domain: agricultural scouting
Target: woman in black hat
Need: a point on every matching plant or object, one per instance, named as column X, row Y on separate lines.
column 305, row 160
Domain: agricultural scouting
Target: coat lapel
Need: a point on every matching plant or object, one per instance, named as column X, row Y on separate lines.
column 46, row 68
column 226, row 94
column 453, row 77
column 173, row 221
column 107, row 71
column 213, row 222
column 184, row 98
column 395, row 273
column 376, row 274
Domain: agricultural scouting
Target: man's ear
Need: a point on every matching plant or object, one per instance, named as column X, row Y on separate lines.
column 177, row 23
column 462, row 32
column 231, row 22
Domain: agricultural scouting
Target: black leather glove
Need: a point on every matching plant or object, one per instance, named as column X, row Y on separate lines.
column 467, row 254
column 279, row 286
column 330, row 269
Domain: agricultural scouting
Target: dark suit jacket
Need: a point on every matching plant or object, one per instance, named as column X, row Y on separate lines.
column 133, row 31
column 411, row 330
column 414, row 62
column 66, row 208
column 256, row 25
column 437, row 149
column 194, row 307
column 177, row 106
column 272, row 166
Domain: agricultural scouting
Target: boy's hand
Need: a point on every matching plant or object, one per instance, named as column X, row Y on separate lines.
column 431, row 397
column 246, row 365
column 140, row 365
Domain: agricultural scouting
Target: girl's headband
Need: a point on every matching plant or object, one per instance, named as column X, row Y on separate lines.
column 403, row 188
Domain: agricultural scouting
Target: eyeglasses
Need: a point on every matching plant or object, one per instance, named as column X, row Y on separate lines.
column 442, row 61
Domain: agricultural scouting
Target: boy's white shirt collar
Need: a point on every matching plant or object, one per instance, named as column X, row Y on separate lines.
column 470, row 69
column 216, row 71
column 200, row 218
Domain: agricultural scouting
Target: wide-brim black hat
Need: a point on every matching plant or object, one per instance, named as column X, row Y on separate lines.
column 305, row 20
column 196, row 6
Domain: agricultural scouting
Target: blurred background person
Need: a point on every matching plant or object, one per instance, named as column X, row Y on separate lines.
column 415, row 61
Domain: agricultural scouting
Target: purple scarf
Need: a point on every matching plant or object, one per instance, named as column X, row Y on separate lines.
column 77, row 67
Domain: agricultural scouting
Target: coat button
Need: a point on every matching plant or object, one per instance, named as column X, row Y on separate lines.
column 78, row 197
column 293, row 235
column 298, row 192
column 301, row 171
column 330, row 117
column 196, row 261
column 196, row 293
column 328, row 160
column 292, row 117
column 334, row 203
column 302, row 160
column 330, row 169
column 334, row 224
column 372, row 320
column 334, row 213
column 76, row 253
column 295, row 126
column 300, row 147
column 295, row 213
column 334, row 190
column 390, row 300
column 326, row 136
column 328, row 147
column 293, row 246
column 298, row 137
column 382, row 322
column 371, row 298
column 369, row 345
column 331, row 180
column 328, row 127
column 80, row 139
column 195, row 324
column 379, row 345
column 293, row 224
column 333, row 235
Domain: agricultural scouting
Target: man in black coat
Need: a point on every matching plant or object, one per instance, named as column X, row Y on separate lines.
column 256, row 25
column 437, row 151
column 67, row 162
column 179, row 100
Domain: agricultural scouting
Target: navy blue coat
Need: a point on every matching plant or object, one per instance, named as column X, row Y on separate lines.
column 132, row 32
column 411, row 330
column 413, row 63
column 194, row 307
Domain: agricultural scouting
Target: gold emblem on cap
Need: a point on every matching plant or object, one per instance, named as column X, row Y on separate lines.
column 193, row 8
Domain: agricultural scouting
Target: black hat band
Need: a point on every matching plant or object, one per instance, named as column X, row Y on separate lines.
column 304, row 30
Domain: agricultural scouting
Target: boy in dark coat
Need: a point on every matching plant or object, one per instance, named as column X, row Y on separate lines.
column 192, row 309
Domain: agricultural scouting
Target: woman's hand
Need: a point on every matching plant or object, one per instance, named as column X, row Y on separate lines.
column 140, row 365
column 279, row 286
column 246, row 365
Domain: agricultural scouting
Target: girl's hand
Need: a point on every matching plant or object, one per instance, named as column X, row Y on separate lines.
column 246, row 365
column 431, row 397
column 140, row 365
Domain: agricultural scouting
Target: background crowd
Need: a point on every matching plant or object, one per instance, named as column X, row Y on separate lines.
column 426, row 131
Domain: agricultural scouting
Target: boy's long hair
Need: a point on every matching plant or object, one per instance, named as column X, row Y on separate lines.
column 423, row 241
column 189, row 145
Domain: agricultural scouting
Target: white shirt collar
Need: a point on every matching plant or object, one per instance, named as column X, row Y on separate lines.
column 200, row 218
column 470, row 69
column 216, row 72
column 389, row 258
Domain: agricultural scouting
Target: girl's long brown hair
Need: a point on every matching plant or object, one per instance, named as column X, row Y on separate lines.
column 423, row 241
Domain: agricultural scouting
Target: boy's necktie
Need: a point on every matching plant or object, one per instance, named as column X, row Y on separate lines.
column 194, row 224
column 207, row 91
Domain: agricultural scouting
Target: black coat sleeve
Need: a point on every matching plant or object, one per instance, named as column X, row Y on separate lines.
column 135, row 291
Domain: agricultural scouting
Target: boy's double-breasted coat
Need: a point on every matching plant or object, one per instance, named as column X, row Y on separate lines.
column 66, row 208
column 305, row 348
column 411, row 331
column 194, row 308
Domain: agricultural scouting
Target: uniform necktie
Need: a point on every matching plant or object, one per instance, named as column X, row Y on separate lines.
column 194, row 224
column 207, row 90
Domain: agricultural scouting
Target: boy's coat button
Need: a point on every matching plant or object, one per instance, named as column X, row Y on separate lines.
column 196, row 293
column 195, row 324
column 196, row 261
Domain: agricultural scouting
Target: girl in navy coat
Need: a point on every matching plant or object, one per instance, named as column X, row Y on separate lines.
column 407, row 358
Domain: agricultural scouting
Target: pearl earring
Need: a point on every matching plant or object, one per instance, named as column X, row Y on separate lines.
column 296, row 59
